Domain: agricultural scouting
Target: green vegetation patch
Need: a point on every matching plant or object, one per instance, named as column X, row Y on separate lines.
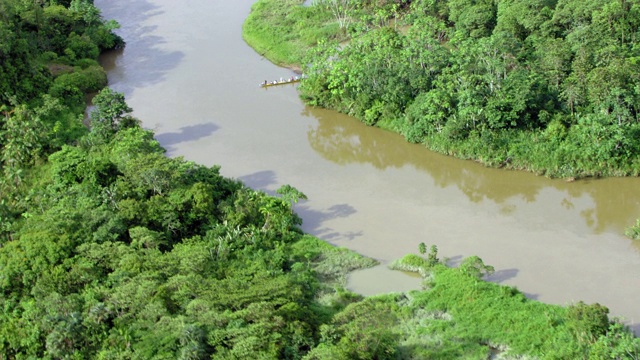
column 549, row 87
column 463, row 317
column 546, row 87
column 331, row 264
column 283, row 31
column 633, row 232
column 111, row 250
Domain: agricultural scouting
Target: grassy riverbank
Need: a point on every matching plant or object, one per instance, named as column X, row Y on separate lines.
column 468, row 316
column 284, row 31
column 460, row 316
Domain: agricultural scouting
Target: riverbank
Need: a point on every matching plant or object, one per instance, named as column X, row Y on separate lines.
column 570, row 147
column 252, row 163
column 284, row 31
column 394, row 92
column 111, row 249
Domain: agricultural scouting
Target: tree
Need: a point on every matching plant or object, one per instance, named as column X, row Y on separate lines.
column 342, row 10
column 475, row 267
column 364, row 330
column 432, row 258
column 24, row 138
column 422, row 248
column 474, row 18
column 291, row 195
column 588, row 322
column 110, row 115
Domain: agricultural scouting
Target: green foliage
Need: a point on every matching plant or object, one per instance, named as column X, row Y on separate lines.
column 634, row 231
column 110, row 115
column 411, row 263
column 342, row 10
column 432, row 258
column 72, row 86
column 128, row 253
column 422, row 248
column 145, row 269
column 461, row 316
column 364, row 330
column 23, row 138
column 284, row 30
column 111, row 250
column 544, row 86
column 331, row 265
column 418, row 264
column 619, row 343
column 31, row 29
column 291, row 195
column 481, row 316
column 474, row 266
column 125, row 253
column 587, row 323
column 81, row 47
column 40, row 114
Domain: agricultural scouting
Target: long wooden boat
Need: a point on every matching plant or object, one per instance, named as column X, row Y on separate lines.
column 281, row 82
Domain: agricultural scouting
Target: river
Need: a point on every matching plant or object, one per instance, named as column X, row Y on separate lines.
column 188, row 75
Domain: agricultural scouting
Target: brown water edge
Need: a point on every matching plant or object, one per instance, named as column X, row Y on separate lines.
column 558, row 237
column 188, row 75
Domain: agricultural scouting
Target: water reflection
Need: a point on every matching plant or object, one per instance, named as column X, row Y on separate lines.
column 605, row 205
column 340, row 139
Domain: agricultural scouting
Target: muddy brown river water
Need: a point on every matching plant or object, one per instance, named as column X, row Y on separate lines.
column 189, row 76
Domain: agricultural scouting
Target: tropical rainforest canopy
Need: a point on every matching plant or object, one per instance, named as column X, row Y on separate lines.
column 111, row 250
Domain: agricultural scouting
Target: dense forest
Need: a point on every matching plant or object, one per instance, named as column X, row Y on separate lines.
column 111, row 250
column 551, row 86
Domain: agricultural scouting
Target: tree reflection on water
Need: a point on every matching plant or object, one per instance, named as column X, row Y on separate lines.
column 604, row 204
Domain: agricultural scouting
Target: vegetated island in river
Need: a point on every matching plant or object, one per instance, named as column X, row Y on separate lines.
column 111, row 250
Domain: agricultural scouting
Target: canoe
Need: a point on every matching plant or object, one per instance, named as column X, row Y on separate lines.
column 283, row 82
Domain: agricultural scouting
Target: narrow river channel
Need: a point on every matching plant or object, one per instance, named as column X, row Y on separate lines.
column 189, row 76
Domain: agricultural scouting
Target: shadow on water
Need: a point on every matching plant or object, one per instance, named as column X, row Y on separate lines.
column 260, row 180
column 147, row 63
column 498, row 277
column 315, row 219
column 611, row 204
column 454, row 261
column 186, row 134
column 503, row 275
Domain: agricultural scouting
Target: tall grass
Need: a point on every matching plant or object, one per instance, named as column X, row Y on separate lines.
column 462, row 316
column 331, row 264
column 284, row 30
